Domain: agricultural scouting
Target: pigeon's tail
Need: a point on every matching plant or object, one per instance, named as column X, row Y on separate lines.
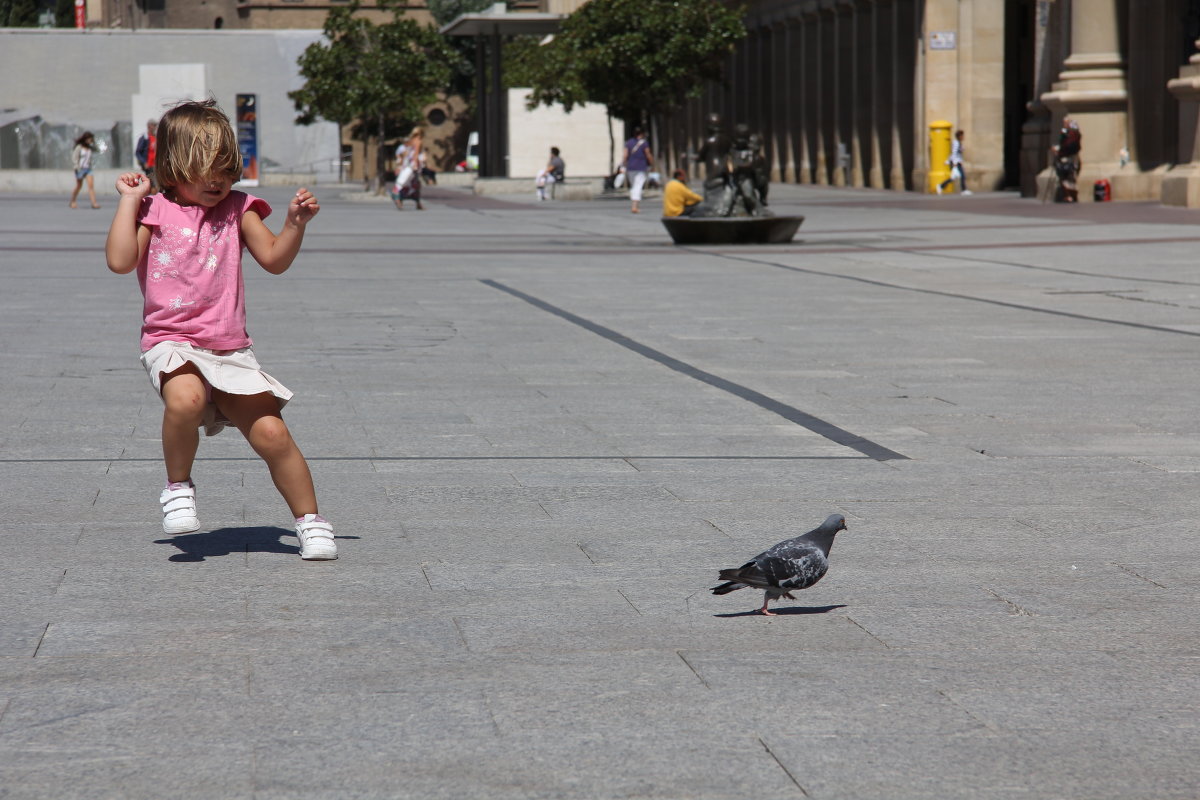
column 726, row 588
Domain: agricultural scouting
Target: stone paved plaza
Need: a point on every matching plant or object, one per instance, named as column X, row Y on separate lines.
column 541, row 429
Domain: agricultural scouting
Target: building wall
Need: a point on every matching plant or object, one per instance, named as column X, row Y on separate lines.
column 830, row 87
column 104, row 69
column 233, row 14
column 843, row 91
column 584, row 136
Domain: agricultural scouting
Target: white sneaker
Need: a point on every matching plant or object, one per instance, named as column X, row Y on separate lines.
column 939, row 188
column 967, row 192
column 179, row 508
column 316, row 538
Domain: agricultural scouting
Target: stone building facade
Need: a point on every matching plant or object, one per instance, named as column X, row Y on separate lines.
column 843, row 91
column 232, row 14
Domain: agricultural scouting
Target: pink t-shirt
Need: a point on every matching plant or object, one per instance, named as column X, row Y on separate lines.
column 191, row 276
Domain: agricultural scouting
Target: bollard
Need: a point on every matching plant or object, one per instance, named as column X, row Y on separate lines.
column 939, row 153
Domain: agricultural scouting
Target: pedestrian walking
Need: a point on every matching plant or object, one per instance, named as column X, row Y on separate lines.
column 956, row 167
column 186, row 244
column 146, row 150
column 410, row 157
column 81, row 157
column 638, row 160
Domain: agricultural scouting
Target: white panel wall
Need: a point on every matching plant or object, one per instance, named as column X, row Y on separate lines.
column 582, row 136
column 91, row 78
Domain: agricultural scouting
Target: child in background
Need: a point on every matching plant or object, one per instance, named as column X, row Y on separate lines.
column 186, row 244
column 956, row 167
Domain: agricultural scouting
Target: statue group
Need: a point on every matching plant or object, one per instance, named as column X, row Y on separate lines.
column 735, row 173
column 734, row 210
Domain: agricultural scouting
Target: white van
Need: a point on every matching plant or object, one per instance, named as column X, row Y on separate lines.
column 473, row 151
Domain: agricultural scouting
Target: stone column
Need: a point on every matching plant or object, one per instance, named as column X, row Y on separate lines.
column 1093, row 90
column 875, row 176
column 1181, row 185
column 823, row 59
column 856, row 71
column 897, row 179
column 804, row 83
column 791, row 54
column 839, row 61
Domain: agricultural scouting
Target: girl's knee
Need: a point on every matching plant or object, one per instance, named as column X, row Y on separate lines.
column 269, row 435
column 184, row 404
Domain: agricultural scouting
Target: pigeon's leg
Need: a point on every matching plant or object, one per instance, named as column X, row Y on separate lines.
column 764, row 610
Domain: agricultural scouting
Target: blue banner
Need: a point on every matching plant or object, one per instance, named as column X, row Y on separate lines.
column 247, row 134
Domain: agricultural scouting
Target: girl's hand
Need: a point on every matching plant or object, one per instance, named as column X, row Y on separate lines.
column 304, row 206
column 134, row 184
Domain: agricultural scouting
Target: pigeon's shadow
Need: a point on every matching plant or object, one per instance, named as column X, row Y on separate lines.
column 786, row 611
column 229, row 541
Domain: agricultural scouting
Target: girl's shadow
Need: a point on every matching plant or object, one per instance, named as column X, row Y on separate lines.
column 227, row 541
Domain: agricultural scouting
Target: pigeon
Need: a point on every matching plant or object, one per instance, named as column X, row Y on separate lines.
column 788, row 566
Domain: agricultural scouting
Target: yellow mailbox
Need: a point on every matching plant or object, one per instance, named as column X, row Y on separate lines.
column 939, row 154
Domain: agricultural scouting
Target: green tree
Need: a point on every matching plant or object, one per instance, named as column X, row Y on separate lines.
column 19, row 13
column 378, row 76
column 64, row 13
column 445, row 11
column 638, row 57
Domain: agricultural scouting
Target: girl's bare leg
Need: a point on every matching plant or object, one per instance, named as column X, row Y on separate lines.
column 75, row 194
column 257, row 417
column 91, row 182
column 183, row 394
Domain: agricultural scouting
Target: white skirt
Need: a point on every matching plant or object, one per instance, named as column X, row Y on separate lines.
column 234, row 372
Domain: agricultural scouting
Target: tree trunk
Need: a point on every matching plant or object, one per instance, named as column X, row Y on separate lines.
column 612, row 144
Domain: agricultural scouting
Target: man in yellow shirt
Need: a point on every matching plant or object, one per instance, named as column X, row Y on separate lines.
column 678, row 199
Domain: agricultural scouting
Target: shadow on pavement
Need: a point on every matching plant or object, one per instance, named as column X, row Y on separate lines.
column 785, row 611
column 227, row 541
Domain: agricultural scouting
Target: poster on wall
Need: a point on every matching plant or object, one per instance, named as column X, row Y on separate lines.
column 247, row 134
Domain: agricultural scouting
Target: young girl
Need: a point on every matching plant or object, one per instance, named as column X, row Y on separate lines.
column 186, row 244
column 81, row 157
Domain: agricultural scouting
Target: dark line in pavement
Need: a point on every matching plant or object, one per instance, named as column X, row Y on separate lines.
column 816, row 248
column 802, row 418
column 956, row 296
column 121, row 460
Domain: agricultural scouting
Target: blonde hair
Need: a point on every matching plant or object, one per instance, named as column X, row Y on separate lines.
column 195, row 140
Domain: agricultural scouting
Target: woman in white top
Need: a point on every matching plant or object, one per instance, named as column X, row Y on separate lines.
column 81, row 157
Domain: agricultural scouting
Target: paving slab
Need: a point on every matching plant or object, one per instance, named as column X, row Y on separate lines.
column 540, row 429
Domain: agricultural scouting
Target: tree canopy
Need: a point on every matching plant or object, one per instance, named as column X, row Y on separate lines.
column 638, row 57
column 373, row 73
column 444, row 11
column 19, row 13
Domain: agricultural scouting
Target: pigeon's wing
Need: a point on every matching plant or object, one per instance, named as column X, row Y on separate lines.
column 793, row 564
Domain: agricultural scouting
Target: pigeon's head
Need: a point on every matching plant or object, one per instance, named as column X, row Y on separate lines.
column 834, row 523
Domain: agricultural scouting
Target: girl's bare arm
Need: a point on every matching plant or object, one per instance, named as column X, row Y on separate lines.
column 127, row 239
column 276, row 253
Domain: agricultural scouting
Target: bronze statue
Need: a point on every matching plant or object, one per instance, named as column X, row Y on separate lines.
column 735, row 173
